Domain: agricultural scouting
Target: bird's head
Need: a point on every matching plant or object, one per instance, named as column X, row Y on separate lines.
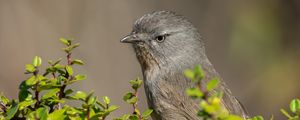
column 164, row 38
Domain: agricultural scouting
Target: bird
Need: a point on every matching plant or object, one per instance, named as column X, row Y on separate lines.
column 166, row 44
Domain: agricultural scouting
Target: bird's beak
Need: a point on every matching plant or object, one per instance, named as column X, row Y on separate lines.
column 132, row 38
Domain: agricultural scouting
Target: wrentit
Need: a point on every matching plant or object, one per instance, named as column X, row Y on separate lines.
column 166, row 44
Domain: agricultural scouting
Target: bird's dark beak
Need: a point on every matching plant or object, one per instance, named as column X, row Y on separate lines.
column 132, row 38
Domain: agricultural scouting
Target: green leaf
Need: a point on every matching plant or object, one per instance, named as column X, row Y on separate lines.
column 80, row 95
column 106, row 100
column 272, row 117
column 137, row 112
column 48, row 86
column 51, row 93
column 147, row 113
column 54, row 101
column 41, row 78
column 96, row 116
column 257, row 118
column 71, row 111
column 130, row 98
column 69, row 91
column 24, row 95
column 59, row 66
column 215, row 101
column 12, row 111
column 233, row 117
column 295, row 106
column 69, row 69
column 25, row 104
column 124, row 117
column 29, row 68
column 207, row 107
column 31, row 81
column 127, row 96
column 74, row 46
column 70, row 48
column 80, row 77
column 91, row 100
column 135, row 84
column 212, row 84
column 4, row 99
column 42, row 113
column 57, row 115
column 101, row 105
column 24, row 86
column 57, row 61
column 134, row 117
column 67, row 50
column 65, row 41
column 61, row 79
column 89, row 95
column 112, row 108
column 78, row 62
column 37, row 61
column 286, row 113
column 190, row 74
column 194, row 92
column 77, row 78
column 199, row 73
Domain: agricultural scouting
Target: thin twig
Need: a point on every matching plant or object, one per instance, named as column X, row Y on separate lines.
column 69, row 58
column 3, row 107
column 205, row 97
column 53, row 74
column 88, row 113
column 61, row 93
column 35, row 73
column 135, row 104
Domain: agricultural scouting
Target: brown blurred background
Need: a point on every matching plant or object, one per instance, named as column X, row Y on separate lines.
column 254, row 44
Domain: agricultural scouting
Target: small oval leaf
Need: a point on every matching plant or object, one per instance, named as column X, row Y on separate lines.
column 37, row 61
column 69, row 69
column 12, row 111
column 295, row 105
column 147, row 113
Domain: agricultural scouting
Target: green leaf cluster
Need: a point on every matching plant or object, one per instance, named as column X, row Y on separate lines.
column 210, row 99
column 43, row 96
column 132, row 98
column 209, row 104
column 294, row 108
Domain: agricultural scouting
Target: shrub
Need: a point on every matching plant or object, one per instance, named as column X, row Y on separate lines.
column 53, row 83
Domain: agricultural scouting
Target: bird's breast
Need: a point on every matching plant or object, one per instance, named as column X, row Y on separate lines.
column 167, row 98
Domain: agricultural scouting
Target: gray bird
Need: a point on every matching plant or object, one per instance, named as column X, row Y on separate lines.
column 166, row 44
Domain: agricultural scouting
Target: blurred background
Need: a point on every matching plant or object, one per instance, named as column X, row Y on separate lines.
column 254, row 44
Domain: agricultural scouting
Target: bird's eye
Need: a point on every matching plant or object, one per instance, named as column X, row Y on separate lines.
column 160, row 38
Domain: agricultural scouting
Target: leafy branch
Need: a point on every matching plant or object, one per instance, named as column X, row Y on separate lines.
column 210, row 105
column 132, row 98
column 211, row 108
column 44, row 96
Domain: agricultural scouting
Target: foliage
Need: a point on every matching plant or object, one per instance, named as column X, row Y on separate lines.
column 211, row 108
column 295, row 110
column 210, row 105
column 45, row 96
column 132, row 98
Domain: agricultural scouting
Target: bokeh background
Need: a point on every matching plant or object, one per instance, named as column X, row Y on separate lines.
column 254, row 44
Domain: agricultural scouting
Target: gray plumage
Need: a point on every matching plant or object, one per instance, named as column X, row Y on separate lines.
column 166, row 44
